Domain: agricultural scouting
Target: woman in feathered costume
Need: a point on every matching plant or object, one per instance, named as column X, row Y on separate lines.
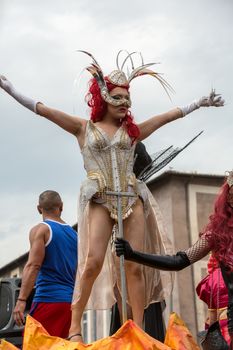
column 107, row 143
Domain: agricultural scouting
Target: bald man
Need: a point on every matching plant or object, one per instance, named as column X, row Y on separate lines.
column 51, row 265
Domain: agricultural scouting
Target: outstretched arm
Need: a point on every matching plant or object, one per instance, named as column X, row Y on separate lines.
column 72, row 124
column 154, row 123
column 164, row 262
column 38, row 237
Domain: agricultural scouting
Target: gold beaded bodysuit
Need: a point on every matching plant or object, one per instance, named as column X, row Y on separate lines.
column 109, row 166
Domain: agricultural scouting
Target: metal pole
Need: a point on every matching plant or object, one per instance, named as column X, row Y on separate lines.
column 119, row 196
column 122, row 262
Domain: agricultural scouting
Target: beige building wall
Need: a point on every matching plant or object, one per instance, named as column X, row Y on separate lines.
column 200, row 204
column 186, row 201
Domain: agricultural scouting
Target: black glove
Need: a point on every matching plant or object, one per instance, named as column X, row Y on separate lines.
column 162, row 262
column 123, row 248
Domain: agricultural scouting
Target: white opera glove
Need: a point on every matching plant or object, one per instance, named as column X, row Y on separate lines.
column 23, row 100
column 213, row 99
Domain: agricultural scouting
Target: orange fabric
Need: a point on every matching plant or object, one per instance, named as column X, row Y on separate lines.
column 178, row 336
column 128, row 337
column 5, row 345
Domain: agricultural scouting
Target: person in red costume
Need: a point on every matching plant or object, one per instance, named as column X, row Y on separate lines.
column 213, row 292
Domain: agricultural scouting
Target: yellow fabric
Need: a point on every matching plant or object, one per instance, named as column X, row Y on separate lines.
column 178, row 336
column 5, row 345
column 128, row 337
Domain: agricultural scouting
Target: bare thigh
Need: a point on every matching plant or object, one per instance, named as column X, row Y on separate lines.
column 134, row 226
column 100, row 230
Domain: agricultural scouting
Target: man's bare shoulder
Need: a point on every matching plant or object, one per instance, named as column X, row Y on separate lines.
column 39, row 231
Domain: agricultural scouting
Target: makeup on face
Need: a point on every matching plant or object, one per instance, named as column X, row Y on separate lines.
column 121, row 97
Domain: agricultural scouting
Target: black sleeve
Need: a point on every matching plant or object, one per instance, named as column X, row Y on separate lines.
column 162, row 262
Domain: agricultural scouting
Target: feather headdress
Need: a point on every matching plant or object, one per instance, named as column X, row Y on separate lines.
column 118, row 77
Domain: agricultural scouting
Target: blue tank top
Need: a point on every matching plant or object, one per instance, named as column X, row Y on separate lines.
column 55, row 281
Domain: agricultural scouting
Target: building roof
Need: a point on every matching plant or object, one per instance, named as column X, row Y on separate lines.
column 174, row 173
column 14, row 263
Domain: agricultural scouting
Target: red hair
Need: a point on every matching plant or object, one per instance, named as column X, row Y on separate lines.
column 99, row 107
column 219, row 230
